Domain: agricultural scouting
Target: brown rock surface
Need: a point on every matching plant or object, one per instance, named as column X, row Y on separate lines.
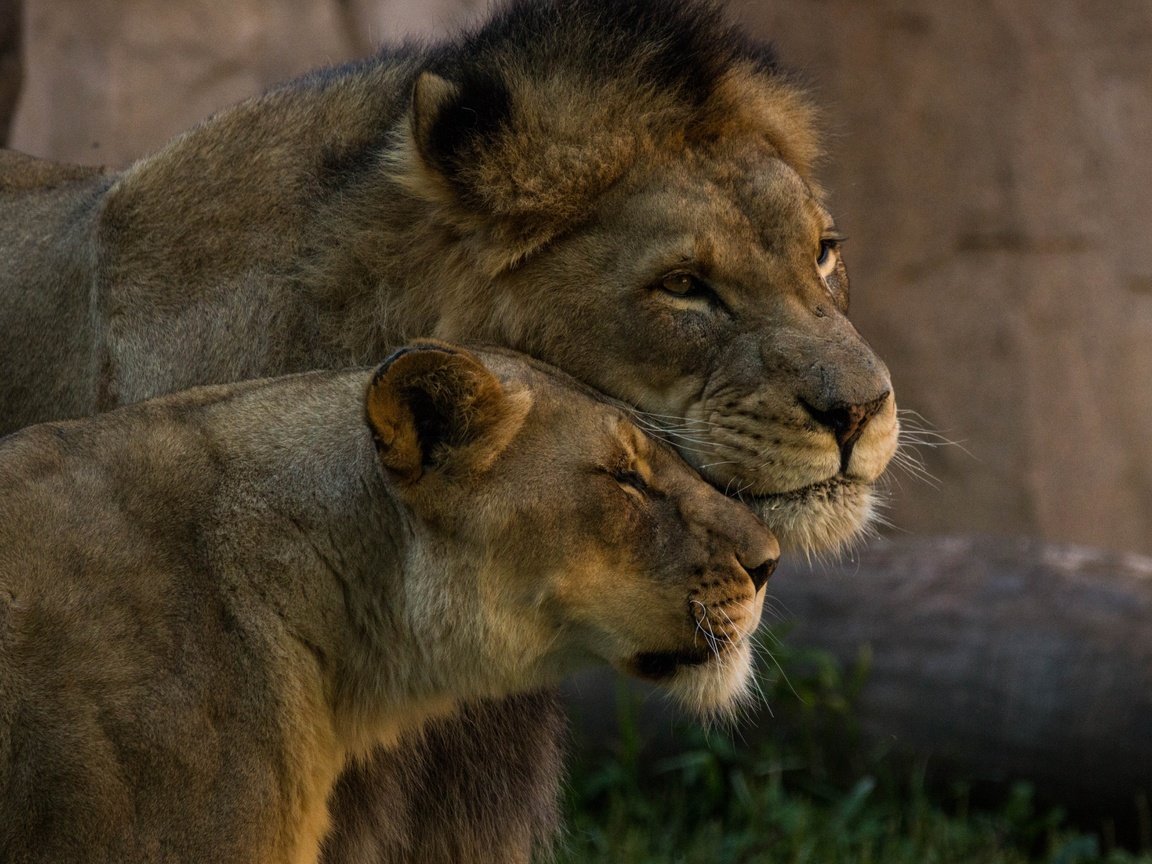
column 1000, row 659
column 111, row 80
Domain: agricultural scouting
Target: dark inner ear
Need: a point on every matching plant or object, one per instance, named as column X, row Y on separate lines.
column 427, row 403
column 437, row 425
column 453, row 120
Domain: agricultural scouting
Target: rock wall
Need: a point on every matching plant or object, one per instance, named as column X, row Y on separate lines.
column 11, row 65
column 111, row 80
column 988, row 160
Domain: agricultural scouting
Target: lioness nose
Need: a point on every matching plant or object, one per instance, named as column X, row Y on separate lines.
column 757, row 552
column 734, row 534
column 847, row 420
column 760, row 572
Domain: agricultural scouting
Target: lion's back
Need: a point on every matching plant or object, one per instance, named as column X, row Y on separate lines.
column 21, row 173
column 47, row 262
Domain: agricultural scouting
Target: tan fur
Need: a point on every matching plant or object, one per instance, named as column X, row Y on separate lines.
column 211, row 602
column 325, row 221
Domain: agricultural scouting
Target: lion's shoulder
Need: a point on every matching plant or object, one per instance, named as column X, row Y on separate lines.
column 20, row 172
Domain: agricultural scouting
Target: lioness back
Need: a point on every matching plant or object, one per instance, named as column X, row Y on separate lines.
column 211, row 603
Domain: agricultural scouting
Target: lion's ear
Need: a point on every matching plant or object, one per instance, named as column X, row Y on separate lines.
column 433, row 406
column 451, row 122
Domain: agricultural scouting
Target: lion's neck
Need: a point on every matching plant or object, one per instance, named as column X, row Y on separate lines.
column 387, row 273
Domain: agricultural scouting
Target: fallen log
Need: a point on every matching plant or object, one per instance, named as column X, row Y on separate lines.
column 996, row 659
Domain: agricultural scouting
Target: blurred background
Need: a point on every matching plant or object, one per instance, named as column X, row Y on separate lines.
column 991, row 162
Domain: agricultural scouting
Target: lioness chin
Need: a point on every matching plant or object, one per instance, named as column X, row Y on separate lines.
column 622, row 189
column 211, row 602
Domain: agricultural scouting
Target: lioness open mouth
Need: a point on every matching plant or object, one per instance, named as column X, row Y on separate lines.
column 662, row 665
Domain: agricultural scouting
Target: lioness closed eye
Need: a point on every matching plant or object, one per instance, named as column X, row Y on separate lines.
column 210, row 602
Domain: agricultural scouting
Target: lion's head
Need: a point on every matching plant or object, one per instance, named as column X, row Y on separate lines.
column 636, row 193
column 589, row 540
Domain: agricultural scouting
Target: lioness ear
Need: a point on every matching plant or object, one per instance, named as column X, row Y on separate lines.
column 452, row 121
column 432, row 406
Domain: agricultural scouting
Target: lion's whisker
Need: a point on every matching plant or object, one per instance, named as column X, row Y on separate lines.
column 676, row 417
column 714, row 464
column 910, row 462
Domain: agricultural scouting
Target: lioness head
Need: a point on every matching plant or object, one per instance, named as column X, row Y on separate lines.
column 649, row 222
column 589, row 540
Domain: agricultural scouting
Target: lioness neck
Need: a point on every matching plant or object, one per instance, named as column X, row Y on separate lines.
column 316, row 535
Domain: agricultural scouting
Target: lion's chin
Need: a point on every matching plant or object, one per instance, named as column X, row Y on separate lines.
column 825, row 517
column 708, row 685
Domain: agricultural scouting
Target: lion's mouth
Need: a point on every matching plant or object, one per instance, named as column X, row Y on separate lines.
column 823, row 517
column 823, row 491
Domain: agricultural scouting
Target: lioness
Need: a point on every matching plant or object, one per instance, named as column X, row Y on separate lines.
column 210, row 602
column 622, row 189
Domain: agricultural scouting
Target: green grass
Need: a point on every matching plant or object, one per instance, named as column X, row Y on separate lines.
column 806, row 797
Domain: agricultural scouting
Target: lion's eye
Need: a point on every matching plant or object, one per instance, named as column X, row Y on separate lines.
column 828, row 254
column 682, row 284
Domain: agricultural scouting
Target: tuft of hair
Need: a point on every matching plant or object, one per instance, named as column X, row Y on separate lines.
column 824, row 519
column 717, row 691
column 533, row 115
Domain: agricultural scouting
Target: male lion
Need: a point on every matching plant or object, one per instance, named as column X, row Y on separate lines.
column 622, row 189
column 209, row 602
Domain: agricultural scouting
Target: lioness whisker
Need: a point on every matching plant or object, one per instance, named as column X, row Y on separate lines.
column 776, row 614
column 686, row 420
column 759, row 649
column 699, row 622
column 783, row 675
column 732, row 625
column 709, row 636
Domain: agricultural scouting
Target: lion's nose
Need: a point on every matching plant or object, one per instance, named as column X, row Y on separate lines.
column 847, row 421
